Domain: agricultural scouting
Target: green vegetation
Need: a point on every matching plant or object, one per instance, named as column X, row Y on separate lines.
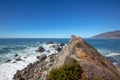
column 70, row 71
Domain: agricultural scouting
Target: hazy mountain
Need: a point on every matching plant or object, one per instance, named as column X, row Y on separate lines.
column 111, row 34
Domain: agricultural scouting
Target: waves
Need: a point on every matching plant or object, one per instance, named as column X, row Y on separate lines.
column 27, row 55
column 112, row 54
column 114, row 58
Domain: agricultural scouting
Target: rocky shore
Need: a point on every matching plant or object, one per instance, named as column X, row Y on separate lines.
column 94, row 65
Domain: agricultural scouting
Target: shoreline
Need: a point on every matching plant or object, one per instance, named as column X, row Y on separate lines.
column 26, row 61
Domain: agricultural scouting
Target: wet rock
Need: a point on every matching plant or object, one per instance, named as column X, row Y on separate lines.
column 53, row 46
column 57, row 47
column 48, row 51
column 42, row 57
column 18, row 59
column 29, row 65
column 8, row 60
column 16, row 55
column 62, row 44
column 14, row 62
column 40, row 49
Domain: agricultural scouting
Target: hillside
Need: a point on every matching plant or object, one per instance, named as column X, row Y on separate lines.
column 111, row 34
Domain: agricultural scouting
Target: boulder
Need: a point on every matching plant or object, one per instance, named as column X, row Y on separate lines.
column 48, row 51
column 18, row 59
column 8, row 60
column 62, row 44
column 41, row 57
column 40, row 49
column 57, row 47
column 16, row 55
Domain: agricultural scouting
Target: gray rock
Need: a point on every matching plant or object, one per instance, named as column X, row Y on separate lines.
column 16, row 55
column 53, row 46
column 48, row 51
column 40, row 49
column 57, row 47
column 8, row 60
column 18, row 59
column 62, row 44
column 42, row 57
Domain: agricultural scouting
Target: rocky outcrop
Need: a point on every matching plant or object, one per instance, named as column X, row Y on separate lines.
column 40, row 49
column 16, row 55
column 93, row 64
column 36, row 71
column 42, row 57
column 57, row 47
column 8, row 60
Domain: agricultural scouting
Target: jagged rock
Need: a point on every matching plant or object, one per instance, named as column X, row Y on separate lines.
column 18, row 59
column 57, row 47
column 40, row 49
column 16, row 55
column 93, row 64
column 41, row 57
column 48, row 51
column 53, row 46
column 62, row 44
column 8, row 60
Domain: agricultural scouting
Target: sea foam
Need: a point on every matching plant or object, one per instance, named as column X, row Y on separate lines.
column 112, row 54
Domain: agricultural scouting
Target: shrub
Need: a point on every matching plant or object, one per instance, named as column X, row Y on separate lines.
column 70, row 71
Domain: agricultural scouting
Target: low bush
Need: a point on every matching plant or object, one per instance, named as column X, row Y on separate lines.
column 70, row 71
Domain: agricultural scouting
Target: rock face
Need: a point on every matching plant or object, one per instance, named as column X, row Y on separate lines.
column 94, row 65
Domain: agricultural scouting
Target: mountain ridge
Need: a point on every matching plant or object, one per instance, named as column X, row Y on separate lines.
column 109, row 35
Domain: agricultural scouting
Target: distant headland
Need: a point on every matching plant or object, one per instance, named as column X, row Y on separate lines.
column 109, row 35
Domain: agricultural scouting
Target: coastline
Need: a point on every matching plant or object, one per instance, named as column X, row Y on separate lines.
column 76, row 49
column 13, row 67
column 9, row 68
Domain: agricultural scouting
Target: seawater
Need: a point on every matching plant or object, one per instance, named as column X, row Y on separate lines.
column 10, row 46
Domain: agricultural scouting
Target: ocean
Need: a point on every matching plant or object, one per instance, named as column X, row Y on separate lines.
column 25, row 49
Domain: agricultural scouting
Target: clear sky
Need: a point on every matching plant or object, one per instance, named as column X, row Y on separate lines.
column 57, row 18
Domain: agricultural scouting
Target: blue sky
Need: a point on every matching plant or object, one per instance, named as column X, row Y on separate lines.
column 57, row 18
